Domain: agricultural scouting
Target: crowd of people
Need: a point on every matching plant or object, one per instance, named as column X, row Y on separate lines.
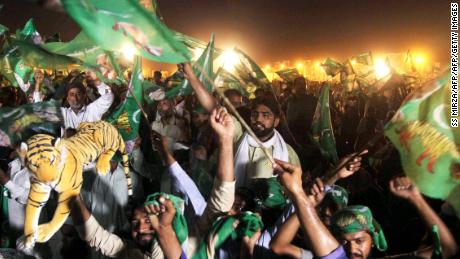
column 205, row 188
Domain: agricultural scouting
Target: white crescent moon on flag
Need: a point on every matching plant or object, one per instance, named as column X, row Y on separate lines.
column 135, row 115
column 437, row 115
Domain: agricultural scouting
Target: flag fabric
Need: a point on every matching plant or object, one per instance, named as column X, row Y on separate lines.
column 37, row 56
column 364, row 58
column 331, row 67
column 179, row 223
column 195, row 45
column 127, row 117
column 14, row 69
column 3, row 29
column 225, row 80
column 428, row 145
column 30, row 33
column 289, row 74
column 118, row 24
column 203, row 64
column 248, row 70
column 19, row 123
column 81, row 47
column 322, row 131
column 225, row 228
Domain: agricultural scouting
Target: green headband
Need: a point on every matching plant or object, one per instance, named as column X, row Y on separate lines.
column 179, row 223
column 336, row 195
column 359, row 218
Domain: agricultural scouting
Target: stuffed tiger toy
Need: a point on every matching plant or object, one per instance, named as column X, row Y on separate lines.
column 58, row 164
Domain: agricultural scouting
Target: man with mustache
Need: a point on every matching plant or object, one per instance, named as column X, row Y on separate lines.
column 78, row 109
column 250, row 160
column 355, row 231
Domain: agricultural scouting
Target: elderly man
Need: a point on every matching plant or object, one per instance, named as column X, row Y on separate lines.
column 78, row 110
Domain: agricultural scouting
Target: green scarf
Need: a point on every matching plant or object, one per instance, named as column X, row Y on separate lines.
column 359, row 218
column 179, row 223
column 224, row 228
column 269, row 193
column 336, row 195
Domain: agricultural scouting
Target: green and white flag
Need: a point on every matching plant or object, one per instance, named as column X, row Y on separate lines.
column 322, row 131
column 123, row 25
column 225, row 80
column 81, row 47
column 203, row 64
column 37, row 56
column 30, row 33
column 128, row 116
column 225, row 228
column 331, row 67
column 427, row 143
column 20, row 123
column 248, row 70
column 364, row 58
column 289, row 74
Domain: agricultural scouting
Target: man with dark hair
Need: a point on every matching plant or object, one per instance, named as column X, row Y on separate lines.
column 157, row 78
column 250, row 160
column 235, row 97
column 78, row 109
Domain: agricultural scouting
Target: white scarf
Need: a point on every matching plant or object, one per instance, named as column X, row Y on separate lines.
column 280, row 151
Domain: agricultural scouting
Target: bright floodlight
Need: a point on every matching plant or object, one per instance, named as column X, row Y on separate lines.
column 129, row 51
column 230, row 59
column 299, row 65
column 419, row 60
column 283, row 66
column 381, row 69
column 353, row 62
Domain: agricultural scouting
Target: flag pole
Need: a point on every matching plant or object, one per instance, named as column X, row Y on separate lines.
column 237, row 115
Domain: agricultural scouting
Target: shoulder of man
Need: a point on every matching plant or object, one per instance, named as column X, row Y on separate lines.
column 293, row 157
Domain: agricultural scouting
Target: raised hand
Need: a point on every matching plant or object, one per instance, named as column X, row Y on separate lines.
column 316, row 192
column 161, row 215
column 222, row 123
column 289, row 175
column 349, row 167
column 403, row 187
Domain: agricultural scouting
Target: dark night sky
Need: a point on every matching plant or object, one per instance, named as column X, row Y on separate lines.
column 274, row 30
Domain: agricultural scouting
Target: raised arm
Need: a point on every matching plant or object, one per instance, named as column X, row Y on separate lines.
column 161, row 218
column 222, row 124
column 321, row 240
column 204, row 97
column 404, row 188
column 94, row 234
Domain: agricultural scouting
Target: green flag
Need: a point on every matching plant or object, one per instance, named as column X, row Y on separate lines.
column 322, row 131
column 3, row 29
column 195, row 45
column 331, row 67
column 225, row 80
column 249, row 71
column 37, row 56
column 225, row 228
column 204, row 63
column 289, row 74
column 127, row 117
column 29, row 33
column 364, row 58
column 19, row 123
column 81, row 47
column 122, row 25
column 14, row 69
column 428, row 145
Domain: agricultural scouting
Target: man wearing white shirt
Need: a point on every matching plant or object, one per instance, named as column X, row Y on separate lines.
column 78, row 111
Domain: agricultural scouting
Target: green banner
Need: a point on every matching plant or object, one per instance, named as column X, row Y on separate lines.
column 428, row 145
column 124, row 25
column 322, row 130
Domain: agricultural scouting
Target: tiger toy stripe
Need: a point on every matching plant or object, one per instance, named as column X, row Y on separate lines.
column 58, row 164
